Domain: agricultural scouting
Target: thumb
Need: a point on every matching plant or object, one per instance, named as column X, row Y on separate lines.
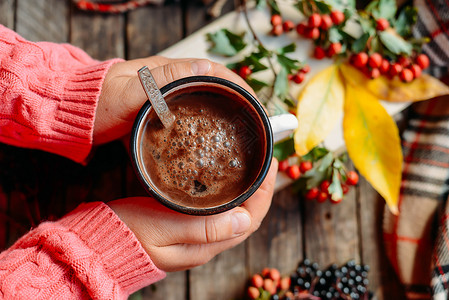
column 165, row 74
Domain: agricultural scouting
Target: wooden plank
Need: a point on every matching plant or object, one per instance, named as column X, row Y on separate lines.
column 278, row 242
column 151, row 29
column 43, row 20
column 7, row 13
column 102, row 36
column 223, row 277
column 383, row 280
column 196, row 14
column 331, row 232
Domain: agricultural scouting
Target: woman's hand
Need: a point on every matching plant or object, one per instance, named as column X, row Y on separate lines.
column 176, row 241
column 122, row 94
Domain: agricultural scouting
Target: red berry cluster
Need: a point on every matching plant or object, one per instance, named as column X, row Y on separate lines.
column 300, row 75
column 321, row 193
column 374, row 65
column 294, row 171
column 280, row 26
column 316, row 28
column 268, row 280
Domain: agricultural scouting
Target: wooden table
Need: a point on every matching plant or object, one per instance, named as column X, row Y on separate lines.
column 43, row 186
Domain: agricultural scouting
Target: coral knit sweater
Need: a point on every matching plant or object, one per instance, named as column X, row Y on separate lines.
column 48, row 97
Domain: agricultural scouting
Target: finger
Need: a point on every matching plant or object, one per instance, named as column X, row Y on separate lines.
column 186, row 256
column 259, row 203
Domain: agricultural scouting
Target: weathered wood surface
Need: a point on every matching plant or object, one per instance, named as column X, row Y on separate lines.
column 45, row 186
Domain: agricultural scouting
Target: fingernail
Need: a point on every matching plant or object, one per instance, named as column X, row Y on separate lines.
column 240, row 222
column 201, row 67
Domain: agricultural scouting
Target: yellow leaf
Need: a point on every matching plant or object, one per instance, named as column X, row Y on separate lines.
column 320, row 106
column 373, row 143
column 423, row 88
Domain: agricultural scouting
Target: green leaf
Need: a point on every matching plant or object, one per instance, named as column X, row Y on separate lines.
column 395, row 43
column 316, row 154
column 341, row 4
column 261, row 4
column 281, row 83
column 254, row 62
column 326, row 162
column 360, row 44
column 274, row 7
column 323, row 7
column 289, row 64
column 255, row 84
column 406, row 19
column 335, row 189
column 225, row 42
column 284, row 149
column 387, row 9
column 287, row 49
column 335, row 35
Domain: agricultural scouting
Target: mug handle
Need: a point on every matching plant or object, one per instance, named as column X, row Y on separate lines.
column 282, row 126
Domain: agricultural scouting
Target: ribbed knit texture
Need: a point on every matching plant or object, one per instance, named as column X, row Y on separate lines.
column 48, row 95
column 90, row 253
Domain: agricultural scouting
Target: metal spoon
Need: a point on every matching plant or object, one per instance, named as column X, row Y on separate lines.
column 155, row 97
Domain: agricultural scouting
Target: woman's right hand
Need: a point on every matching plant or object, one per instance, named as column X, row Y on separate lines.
column 176, row 241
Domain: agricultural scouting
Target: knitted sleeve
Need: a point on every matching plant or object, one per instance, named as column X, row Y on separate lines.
column 88, row 254
column 48, row 95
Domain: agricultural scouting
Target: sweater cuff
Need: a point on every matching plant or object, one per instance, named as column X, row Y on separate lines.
column 124, row 258
column 71, row 132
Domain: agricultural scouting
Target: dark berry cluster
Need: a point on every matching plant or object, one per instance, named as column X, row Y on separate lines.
column 308, row 281
column 374, row 65
column 346, row 282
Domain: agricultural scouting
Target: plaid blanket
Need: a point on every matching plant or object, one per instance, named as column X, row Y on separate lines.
column 417, row 241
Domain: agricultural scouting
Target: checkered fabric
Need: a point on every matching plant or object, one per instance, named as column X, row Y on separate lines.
column 417, row 241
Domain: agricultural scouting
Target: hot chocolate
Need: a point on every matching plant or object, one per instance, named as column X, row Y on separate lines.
column 213, row 152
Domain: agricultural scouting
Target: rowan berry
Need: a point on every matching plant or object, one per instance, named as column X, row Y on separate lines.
column 416, row 70
column 305, row 166
column 384, row 66
column 312, row 193
column 312, row 33
column 382, row 24
column 322, row 196
column 314, row 20
column 423, row 61
column 344, row 188
column 277, row 30
column 324, row 186
column 319, row 53
column 275, row 275
column 253, row 292
column 276, row 20
column 301, row 28
column 352, row 178
column 326, row 22
column 334, row 49
column 360, row 60
column 375, row 60
column 257, row 281
column 305, row 69
column 335, row 201
column 374, row 73
column 395, row 69
column 265, row 272
column 288, row 26
column 285, row 282
column 404, row 61
column 245, row 71
column 269, row 286
column 337, row 17
column 406, row 75
column 298, row 77
column 283, row 165
column 293, row 172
